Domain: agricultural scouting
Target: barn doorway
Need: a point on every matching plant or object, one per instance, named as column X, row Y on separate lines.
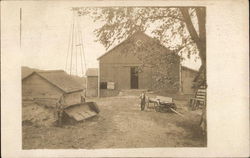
column 134, row 77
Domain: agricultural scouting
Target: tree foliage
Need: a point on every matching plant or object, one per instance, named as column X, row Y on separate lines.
column 182, row 30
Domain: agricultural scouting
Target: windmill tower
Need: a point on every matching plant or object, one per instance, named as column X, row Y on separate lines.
column 75, row 60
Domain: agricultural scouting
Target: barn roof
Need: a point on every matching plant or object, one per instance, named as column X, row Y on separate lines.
column 92, row 72
column 60, row 79
column 133, row 35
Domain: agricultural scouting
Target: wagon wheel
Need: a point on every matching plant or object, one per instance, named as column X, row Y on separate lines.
column 173, row 106
column 157, row 107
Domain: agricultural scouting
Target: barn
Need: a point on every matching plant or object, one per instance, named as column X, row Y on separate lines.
column 92, row 82
column 120, row 71
column 51, row 85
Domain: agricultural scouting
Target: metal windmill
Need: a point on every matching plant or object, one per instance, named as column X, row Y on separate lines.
column 75, row 60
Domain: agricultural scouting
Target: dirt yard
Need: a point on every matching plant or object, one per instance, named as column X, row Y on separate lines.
column 121, row 124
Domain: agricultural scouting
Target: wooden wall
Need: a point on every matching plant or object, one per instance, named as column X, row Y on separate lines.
column 36, row 87
column 92, row 86
column 73, row 98
column 187, row 77
column 115, row 67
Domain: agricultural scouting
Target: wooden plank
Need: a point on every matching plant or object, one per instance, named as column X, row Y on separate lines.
column 153, row 100
column 176, row 112
column 80, row 112
column 202, row 90
column 164, row 99
column 200, row 99
column 200, row 93
column 200, row 96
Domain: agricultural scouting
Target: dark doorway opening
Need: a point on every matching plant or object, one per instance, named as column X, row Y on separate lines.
column 134, row 77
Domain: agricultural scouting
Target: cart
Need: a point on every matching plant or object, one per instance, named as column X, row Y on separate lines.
column 162, row 104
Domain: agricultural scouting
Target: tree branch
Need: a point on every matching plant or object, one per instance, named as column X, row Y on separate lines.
column 189, row 24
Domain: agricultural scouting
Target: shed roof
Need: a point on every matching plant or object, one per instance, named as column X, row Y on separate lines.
column 60, row 79
column 26, row 71
column 92, row 72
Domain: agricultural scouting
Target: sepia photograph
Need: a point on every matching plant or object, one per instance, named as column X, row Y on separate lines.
column 113, row 77
column 124, row 78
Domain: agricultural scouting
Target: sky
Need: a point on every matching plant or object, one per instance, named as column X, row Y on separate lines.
column 46, row 33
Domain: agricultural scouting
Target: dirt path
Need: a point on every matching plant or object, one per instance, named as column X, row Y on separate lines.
column 134, row 128
column 120, row 124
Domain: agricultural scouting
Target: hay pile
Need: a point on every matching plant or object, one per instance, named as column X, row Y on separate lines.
column 34, row 114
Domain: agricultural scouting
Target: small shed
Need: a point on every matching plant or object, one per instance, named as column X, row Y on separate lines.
column 41, row 91
column 92, row 82
column 50, row 85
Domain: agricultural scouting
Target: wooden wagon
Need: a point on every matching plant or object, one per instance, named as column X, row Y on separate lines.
column 162, row 104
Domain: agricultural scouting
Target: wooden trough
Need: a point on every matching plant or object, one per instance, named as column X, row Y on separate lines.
column 82, row 111
column 72, row 113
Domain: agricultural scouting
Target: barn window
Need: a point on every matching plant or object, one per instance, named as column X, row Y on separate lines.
column 103, row 85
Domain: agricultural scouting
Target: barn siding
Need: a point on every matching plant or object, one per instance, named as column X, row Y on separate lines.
column 187, row 78
column 73, row 98
column 36, row 87
column 145, row 79
column 116, row 56
column 117, row 73
column 92, row 86
column 120, row 75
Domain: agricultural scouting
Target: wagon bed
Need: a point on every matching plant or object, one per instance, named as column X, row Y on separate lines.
column 163, row 104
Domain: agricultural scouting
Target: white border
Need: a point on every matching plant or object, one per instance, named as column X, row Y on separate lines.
column 228, row 82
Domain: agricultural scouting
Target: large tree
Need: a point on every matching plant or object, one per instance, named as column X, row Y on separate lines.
column 181, row 29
